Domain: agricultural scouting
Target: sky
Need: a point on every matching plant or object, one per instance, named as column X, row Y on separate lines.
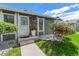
column 52, row 9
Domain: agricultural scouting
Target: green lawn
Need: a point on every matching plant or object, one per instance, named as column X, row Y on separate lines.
column 70, row 46
column 15, row 51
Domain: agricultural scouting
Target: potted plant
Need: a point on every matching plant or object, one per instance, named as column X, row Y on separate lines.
column 33, row 32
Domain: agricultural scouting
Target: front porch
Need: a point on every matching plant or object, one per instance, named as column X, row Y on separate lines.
column 31, row 39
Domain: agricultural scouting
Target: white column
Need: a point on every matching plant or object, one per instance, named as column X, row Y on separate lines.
column 2, row 19
column 18, row 21
column 1, row 37
column 37, row 26
column 15, row 18
column 1, row 15
column 28, row 23
column 15, row 22
column 43, row 26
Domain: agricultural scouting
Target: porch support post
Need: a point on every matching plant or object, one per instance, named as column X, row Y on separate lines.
column 16, row 23
column 1, row 15
column 2, row 19
column 37, row 26
column 43, row 26
column 1, row 37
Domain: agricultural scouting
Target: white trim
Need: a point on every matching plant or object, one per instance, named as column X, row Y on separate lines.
column 1, row 37
column 37, row 26
column 18, row 23
column 1, row 15
column 43, row 26
column 28, row 24
column 15, row 19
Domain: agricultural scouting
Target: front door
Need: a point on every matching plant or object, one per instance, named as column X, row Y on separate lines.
column 24, row 26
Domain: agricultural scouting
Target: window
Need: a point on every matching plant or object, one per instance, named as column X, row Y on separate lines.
column 24, row 21
column 40, row 23
column 9, row 18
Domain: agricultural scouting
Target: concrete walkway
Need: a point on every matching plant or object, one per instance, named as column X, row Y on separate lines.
column 31, row 50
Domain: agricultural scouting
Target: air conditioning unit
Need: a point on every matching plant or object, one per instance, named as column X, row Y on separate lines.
column 8, row 39
column 9, row 36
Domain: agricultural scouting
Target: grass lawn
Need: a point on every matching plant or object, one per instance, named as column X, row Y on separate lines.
column 70, row 46
column 15, row 51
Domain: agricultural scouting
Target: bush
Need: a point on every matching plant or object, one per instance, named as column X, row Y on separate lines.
column 1, row 26
column 10, row 27
column 63, row 28
column 7, row 27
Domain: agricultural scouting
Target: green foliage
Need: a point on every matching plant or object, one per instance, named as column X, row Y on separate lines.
column 7, row 27
column 15, row 51
column 63, row 28
column 70, row 46
column 10, row 27
column 1, row 26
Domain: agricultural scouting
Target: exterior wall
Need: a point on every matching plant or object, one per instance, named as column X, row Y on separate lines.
column 33, row 23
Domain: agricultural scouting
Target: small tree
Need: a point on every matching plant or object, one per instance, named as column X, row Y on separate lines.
column 61, row 29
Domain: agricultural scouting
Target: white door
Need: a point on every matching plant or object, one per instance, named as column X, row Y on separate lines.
column 24, row 26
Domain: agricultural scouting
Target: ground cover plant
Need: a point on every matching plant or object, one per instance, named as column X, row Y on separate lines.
column 15, row 51
column 69, row 47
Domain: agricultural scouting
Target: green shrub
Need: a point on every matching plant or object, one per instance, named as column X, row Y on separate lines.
column 63, row 28
column 7, row 27
column 1, row 26
column 10, row 27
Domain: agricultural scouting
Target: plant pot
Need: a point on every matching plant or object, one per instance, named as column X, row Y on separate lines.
column 33, row 32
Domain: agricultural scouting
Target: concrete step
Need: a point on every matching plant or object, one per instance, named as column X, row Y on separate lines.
column 25, row 41
column 47, row 37
column 22, row 43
